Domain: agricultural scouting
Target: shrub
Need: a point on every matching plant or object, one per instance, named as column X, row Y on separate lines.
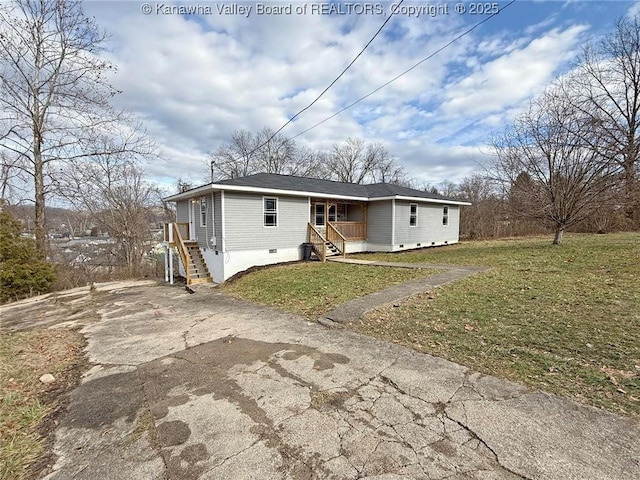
column 23, row 273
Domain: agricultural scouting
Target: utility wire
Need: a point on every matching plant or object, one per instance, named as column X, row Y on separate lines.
column 342, row 73
column 463, row 34
column 330, row 85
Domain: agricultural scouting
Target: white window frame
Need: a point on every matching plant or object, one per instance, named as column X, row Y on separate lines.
column 413, row 217
column 445, row 216
column 266, row 212
column 203, row 213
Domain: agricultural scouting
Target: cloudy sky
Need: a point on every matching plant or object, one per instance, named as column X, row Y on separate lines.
column 196, row 78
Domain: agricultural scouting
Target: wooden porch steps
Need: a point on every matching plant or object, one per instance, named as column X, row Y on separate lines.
column 196, row 268
column 331, row 250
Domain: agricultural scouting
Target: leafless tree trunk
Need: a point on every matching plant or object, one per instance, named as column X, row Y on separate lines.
column 54, row 97
column 549, row 172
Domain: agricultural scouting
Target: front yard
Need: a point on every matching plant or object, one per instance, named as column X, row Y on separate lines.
column 313, row 289
column 563, row 319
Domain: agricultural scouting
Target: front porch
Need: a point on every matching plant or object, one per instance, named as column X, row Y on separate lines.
column 334, row 224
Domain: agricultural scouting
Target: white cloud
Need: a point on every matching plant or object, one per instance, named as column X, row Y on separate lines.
column 513, row 77
column 196, row 80
column 634, row 10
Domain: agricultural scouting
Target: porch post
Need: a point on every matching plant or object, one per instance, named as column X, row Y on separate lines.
column 326, row 213
column 166, row 263
column 365, row 216
column 171, row 267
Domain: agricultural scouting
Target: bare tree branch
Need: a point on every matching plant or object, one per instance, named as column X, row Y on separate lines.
column 54, row 95
column 546, row 168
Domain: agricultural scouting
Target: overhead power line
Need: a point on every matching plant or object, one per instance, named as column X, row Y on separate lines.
column 341, row 73
column 428, row 57
column 330, row 85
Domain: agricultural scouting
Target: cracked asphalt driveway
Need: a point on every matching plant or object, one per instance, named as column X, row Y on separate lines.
column 208, row 387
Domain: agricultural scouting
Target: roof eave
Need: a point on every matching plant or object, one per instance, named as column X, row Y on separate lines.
column 199, row 191
column 194, row 192
column 443, row 201
column 272, row 191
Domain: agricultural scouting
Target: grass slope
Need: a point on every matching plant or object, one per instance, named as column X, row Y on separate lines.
column 313, row 289
column 563, row 319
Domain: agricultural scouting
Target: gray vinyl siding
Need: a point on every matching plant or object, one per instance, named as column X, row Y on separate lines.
column 217, row 205
column 379, row 220
column 454, row 223
column 200, row 232
column 244, row 222
column 429, row 228
column 182, row 211
column 204, row 234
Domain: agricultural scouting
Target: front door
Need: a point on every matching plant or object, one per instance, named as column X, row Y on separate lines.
column 193, row 213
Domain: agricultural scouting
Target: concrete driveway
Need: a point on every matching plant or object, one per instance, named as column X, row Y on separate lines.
column 205, row 386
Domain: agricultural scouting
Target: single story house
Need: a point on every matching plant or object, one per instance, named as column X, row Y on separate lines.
column 228, row 226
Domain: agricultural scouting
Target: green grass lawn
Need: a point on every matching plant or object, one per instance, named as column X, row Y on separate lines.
column 313, row 289
column 565, row 319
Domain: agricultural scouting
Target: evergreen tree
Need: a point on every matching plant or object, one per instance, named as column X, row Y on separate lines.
column 23, row 273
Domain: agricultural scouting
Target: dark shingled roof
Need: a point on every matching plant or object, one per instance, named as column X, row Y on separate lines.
column 327, row 187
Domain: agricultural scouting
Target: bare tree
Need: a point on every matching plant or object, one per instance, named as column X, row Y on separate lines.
column 183, row 185
column 248, row 153
column 8, row 174
column 54, row 94
column 447, row 188
column 355, row 161
column 543, row 163
column 311, row 163
column 606, row 88
column 485, row 217
column 113, row 190
column 235, row 159
column 352, row 161
column 387, row 168
column 275, row 154
column 349, row 161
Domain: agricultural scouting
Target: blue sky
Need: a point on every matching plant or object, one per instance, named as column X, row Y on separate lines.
column 194, row 79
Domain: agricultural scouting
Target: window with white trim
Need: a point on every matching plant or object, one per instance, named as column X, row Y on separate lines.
column 445, row 215
column 203, row 212
column 413, row 214
column 270, row 209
